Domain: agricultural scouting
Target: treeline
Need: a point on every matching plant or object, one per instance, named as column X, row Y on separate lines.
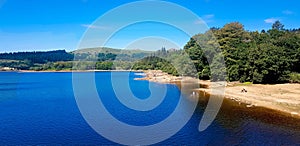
column 57, row 66
column 155, row 63
column 38, row 57
column 62, row 60
column 175, row 62
column 104, row 54
column 270, row 56
column 16, row 64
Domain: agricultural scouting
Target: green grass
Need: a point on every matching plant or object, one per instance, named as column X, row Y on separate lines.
column 247, row 83
column 244, row 84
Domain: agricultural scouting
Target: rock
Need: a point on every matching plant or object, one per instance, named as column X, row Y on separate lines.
column 249, row 105
column 294, row 113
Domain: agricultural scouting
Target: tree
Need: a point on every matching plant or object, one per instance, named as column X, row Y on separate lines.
column 277, row 25
column 234, row 42
column 260, row 57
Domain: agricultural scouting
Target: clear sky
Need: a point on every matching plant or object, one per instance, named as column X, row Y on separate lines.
column 34, row 25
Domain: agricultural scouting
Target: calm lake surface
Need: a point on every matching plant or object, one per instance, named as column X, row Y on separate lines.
column 40, row 109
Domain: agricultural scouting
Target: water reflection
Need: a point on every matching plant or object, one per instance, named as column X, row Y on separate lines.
column 238, row 124
column 255, row 125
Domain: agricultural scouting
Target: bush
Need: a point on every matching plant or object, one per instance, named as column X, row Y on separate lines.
column 295, row 78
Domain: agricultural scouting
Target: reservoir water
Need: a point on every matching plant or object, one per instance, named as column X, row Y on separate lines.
column 40, row 109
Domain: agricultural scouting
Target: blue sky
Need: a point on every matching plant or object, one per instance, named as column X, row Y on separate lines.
column 34, row 25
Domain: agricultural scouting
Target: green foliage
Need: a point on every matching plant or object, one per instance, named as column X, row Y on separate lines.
column 106, row 65
column 295, row 77
column 39, row 57
column 100, row 54
column 266, row 57
column 155, row 63
column 106, row 57
column 269, row 56
column 277, row 25
column 16, row 64
column 175, row 62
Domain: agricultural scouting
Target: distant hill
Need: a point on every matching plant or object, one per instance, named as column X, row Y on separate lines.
column 38, row 57
column 60, row 59
column 82, row 54
column 109, row 50
column 121, row 54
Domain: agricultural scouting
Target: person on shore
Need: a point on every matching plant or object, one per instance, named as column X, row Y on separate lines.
column 244, row 90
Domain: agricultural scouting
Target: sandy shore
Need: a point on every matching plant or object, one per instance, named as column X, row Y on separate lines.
column 283, row 98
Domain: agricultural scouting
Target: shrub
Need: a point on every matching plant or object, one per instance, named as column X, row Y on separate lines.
column 295, row 78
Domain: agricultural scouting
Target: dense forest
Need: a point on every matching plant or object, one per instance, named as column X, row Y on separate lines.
column 104, row 54
column 268, row 56
column 260, row 57
column 39, row 57
column 84, row 59
column 271, row 56
column 26, row 60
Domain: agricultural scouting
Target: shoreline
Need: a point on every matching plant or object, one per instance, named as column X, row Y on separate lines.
column 277, row 99
column 254, row 98
column 32, row 71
